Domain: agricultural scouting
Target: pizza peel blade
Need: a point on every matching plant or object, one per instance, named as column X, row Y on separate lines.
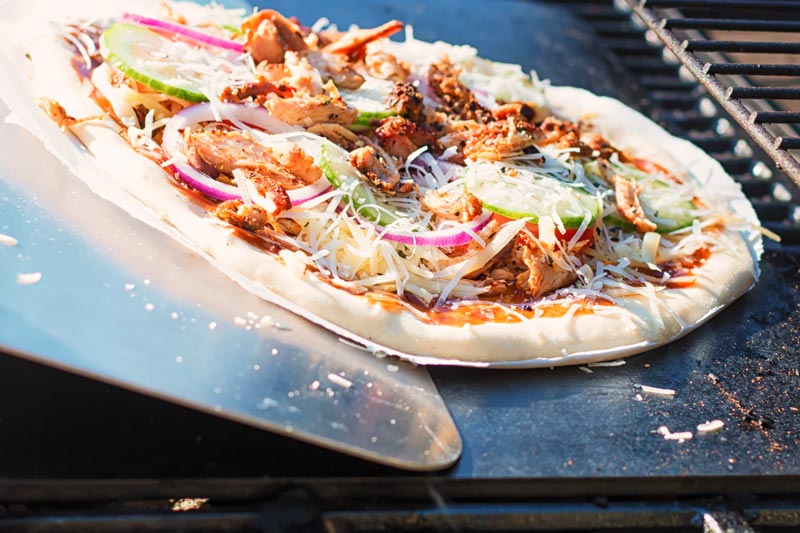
column 121, row 302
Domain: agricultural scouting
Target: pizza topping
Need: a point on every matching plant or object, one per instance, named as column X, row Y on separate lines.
column 456, row 98
column 334, row 68
column 307, row 111
column 354, row 42
column 628, row 205
column 269, row 35
column 540, row 271
column 385, row 66
column 425, row 171
column 250, row 217
column 454, row 204
column 501, row 140
column 184, row 31
column 407, row 101
column 377, row 166
column 400, row 137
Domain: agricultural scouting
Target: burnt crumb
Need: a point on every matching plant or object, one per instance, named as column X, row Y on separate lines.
column 760, row 421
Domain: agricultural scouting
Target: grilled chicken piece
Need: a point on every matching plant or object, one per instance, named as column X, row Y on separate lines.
column 250, row 217
column 257, row 91
column 353, row 43
column 457, row 205
column 264, row 190
column 400, row 137
column 599, row 144
column 519, row 110
column 307, row 111
column 269, row 35
column 299, row 163
column 57, row 113
column 222, row 151
column 334, row 67
column 338, row 134
column 406, row 100
column 628, row 205
column 554, row 130
column 456, row 97
column 386, row 66
column 379, row 169
column 537, row 272
column 500, row 140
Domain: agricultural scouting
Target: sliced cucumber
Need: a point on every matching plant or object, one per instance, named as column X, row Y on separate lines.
column 520, row 193
column 148, row 58
column 335, row 166
column 664, row 203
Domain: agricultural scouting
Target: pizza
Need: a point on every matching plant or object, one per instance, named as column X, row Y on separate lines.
column 407, row 195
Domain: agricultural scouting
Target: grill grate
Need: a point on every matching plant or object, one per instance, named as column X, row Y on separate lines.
column 740, row 51
column 660, row 49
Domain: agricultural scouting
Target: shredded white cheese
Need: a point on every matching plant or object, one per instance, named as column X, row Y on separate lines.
column 8, row 240
column 710, row 427
column 657, row 390
column 30, row 278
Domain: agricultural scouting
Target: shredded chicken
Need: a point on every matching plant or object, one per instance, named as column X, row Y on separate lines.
column 457, row 205
column 500, row 140
column 598, row 146
column 628, row 205
column 256, row 90
column 386, row 66
column 299, row 163
column 538, row 272
column 554, row 130
column 334, row 67
column 57, row 113
column 269, row 35
column 456, row 97
column 519, row 110
column 309, row 110
column 379, row 169
column 338, row 134
column 265, row 190
column 353, row 43
column 400, row 137
column 406, row 101
column 250, row 217
column 218, row 151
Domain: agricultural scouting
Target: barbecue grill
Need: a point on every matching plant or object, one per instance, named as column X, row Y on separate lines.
column 567, row 449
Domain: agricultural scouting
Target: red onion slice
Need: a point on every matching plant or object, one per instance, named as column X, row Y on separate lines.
column 455, row 236
column 185, row 31
column 256, row 116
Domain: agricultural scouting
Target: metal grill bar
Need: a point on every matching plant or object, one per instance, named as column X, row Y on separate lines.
column 753, row 47
column 775, row 117
column 786, row 5
column 752, row 69
column 728, row 24
column 787, row 143
column 775, row 93
column 775, row 143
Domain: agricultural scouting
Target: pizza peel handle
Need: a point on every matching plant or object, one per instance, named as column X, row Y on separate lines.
column 119, row 301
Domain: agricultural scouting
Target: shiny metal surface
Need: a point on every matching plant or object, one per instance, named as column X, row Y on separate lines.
column 122, row 302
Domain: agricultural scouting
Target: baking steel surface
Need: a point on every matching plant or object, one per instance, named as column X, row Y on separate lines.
column 122, row 302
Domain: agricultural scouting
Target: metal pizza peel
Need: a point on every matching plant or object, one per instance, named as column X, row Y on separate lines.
column 91, row 290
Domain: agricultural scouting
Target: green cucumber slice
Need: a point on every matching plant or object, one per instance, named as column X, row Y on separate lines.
column 527, row 195
column 663, row 203
column 146, row 57
column 335, row 166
